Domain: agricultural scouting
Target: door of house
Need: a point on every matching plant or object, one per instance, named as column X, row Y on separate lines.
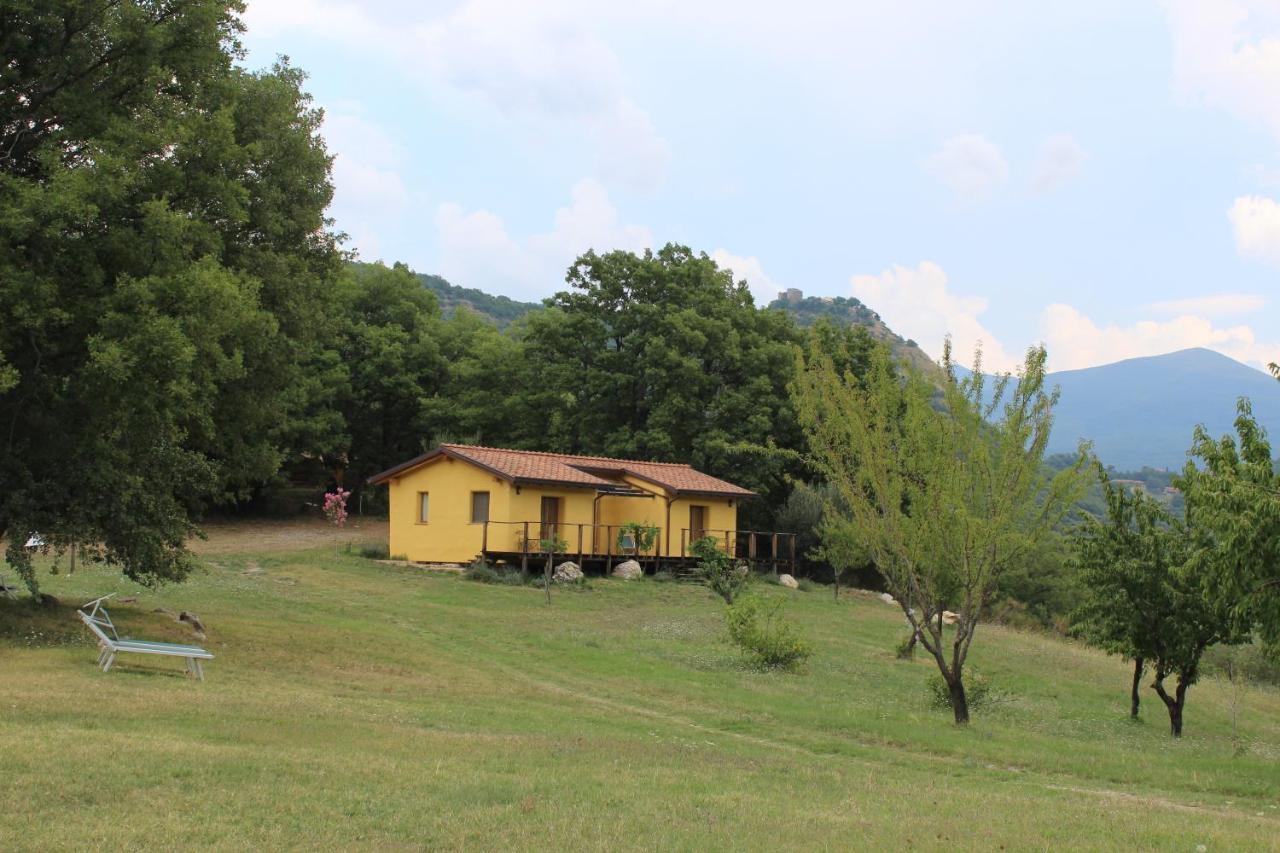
column 550, row 518
column 697, row 523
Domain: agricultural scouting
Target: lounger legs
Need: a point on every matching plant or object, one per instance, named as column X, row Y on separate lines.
column 194, row 668
column 111, row 658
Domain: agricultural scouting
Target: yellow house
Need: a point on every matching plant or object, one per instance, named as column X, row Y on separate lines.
column 459, row 502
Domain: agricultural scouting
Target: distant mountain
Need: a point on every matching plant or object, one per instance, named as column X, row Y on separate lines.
column 851, row 312
column 1142, row 412
column 502, row 310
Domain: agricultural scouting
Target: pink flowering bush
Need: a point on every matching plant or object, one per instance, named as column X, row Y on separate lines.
column 335, row 506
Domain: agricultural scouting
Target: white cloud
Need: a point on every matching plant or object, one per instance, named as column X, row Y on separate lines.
column 369, row 193
column 1217, row 305
column 589, row 222
column 629, row 149
column 347, row 20
column 970, row 165
column 1256, row 222
column 1059, row 160
column 476, row 249
column 763, row 288
column 1075, row 341
column 917, row 303
column 534, row 63
column 1226, row 54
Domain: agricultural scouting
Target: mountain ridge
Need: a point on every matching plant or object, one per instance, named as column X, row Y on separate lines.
column 1138, row 412
column 1144, row 411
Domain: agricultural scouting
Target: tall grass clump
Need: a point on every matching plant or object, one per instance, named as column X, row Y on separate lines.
column 717, row 570
column 483, row 572
column 770, row 642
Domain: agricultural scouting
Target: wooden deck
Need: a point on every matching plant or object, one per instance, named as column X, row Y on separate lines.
column 598, row 547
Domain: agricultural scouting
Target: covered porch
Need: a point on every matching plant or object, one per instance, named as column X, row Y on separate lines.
column 601, row 546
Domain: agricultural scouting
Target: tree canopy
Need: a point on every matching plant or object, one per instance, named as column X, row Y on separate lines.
column 1142, row 596
column 164, row 251
column 1232, row 493
column 944, row 489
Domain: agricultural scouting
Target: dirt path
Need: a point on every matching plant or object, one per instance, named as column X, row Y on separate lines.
column 235, row 535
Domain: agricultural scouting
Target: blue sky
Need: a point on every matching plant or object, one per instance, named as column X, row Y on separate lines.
column 1102, row 177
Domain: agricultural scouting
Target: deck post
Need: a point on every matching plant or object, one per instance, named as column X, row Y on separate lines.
column 793, row 553
column 484, row 541
column 775, row 555
column 524, row 551
column 751, row 548
column 608, row 549
column 727, row 549
column 579, row 545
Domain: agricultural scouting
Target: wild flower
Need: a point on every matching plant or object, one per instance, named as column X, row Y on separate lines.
column 335, row 506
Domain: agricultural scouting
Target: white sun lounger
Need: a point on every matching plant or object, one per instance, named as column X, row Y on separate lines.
column 95, row 616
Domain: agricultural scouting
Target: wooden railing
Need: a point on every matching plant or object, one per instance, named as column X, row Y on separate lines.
column 526, row 538
column 778, row 548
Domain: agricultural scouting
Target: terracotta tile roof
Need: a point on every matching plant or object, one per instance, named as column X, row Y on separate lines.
column 584, row 471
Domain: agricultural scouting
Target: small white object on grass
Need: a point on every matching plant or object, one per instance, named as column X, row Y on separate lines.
column 36, row 541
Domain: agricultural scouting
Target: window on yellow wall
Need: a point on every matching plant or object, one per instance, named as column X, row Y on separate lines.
column 422, row 507
column 479, row 507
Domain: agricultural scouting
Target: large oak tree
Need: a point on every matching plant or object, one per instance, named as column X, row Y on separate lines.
column 164, row 265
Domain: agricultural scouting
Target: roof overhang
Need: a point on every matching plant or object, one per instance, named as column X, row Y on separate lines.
column 606, row 489
column 418, row 461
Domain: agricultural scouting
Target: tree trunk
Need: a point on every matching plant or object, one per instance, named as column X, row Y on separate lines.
column 546, row 582
column 959, row 702
column 1174, row 703
column 1138, row 665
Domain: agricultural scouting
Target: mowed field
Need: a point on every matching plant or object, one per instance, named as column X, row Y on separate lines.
column 357, row 704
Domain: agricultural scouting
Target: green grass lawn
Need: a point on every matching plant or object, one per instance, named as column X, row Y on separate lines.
column 359, row 704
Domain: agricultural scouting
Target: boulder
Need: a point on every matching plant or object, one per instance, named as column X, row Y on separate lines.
column 949, row 618
column 788, row 581
column 887, row 598
column 194, row 621
column 628, row 570
column 566, row 572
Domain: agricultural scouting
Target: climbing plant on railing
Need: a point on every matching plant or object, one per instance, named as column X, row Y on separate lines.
column 635, row 538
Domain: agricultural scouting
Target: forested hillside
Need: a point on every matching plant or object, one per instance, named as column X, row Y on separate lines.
column 502, row 310
column 848, row 311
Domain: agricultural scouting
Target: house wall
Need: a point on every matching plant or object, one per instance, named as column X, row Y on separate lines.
column 575, row 509
column 448, row 536
column 722, row 514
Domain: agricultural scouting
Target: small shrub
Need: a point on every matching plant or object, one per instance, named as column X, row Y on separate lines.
column 725, row 579
column 906, row 650
column 756, row 627
column 482, row 572
column 806, row 585
column 977, row 691
column 375, row 552
column 1249, row 663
